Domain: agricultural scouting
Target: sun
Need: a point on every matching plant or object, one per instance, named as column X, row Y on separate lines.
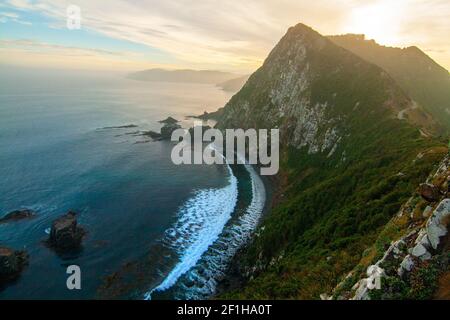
column 379, row 21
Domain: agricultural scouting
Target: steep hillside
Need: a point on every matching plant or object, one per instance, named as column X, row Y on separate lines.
column 422, row 79
column 415, row 265
column 348, row 163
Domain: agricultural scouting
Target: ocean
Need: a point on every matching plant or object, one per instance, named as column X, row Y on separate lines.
column 154, row 230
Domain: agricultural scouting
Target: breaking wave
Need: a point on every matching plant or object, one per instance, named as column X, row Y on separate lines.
column 207, row 236
column 201, row 281
column 201, row 220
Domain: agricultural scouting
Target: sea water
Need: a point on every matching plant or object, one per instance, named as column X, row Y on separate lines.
column 63, row 146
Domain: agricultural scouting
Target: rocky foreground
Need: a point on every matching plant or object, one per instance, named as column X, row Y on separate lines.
column 416, row 265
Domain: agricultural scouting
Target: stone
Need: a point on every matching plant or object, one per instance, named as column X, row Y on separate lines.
column 362, row 293
column 419, row 250
column 429, row 192
column 17, row 215
column 9, row 263
column 437, row 225
column 422, row 238
column 65, row 234
column 406, row 265
column 12, row 263
column 169, row 120
column 427, row 212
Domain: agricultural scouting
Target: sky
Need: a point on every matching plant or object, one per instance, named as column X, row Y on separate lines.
column 227, row 35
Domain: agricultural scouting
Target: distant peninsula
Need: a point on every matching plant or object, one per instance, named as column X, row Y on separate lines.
column 227, row 81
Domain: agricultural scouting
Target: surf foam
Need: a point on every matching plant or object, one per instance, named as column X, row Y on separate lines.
column 201, row 221
column 204, row 277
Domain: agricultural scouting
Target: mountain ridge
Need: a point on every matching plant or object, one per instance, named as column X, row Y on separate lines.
column 348, row 162
column 419, row 76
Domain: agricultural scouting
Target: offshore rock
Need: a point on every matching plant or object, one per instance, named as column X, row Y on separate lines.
column 17, row 215
column 12, row 263
column 65, row 234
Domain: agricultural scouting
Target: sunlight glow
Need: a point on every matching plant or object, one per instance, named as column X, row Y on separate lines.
column 379, row 21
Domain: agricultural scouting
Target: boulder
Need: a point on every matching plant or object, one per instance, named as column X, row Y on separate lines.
column 437, row 225
column 406, row 265
column 65, row 234
column 11, row 263
column 429, row 192
column 17, row 215
column 421, row 252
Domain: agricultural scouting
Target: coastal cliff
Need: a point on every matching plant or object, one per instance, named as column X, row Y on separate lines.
column 353, row 148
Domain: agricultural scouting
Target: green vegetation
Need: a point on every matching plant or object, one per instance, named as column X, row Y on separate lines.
column 328, row 220
column 421, row 285
column 333, row 209
column 422, row 79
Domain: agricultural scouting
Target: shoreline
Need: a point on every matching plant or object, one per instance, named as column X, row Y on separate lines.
column 233, row 278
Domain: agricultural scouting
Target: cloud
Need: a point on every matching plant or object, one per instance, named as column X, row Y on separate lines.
column 11, row 16
column 31, row 52
column 237, row 34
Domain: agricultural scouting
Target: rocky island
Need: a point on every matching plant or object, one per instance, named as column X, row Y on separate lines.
column 170, row 125
column 12, row 263
column 17, row 215
column 65, row 233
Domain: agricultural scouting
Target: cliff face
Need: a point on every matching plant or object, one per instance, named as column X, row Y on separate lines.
column 353, row 147
column 312, row 89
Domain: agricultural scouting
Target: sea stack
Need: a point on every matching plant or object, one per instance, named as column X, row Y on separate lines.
column 12, row 263
column 65, row 234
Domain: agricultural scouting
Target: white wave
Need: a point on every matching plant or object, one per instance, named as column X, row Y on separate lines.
column 201, row 221
column 215, row 262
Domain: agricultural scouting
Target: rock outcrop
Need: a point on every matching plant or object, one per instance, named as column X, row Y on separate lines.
column 17, row 215
column 65, row 234
column 423, row 241
column 169, row 120
column 429, row 192
column 170, row 125
column 12, row 263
